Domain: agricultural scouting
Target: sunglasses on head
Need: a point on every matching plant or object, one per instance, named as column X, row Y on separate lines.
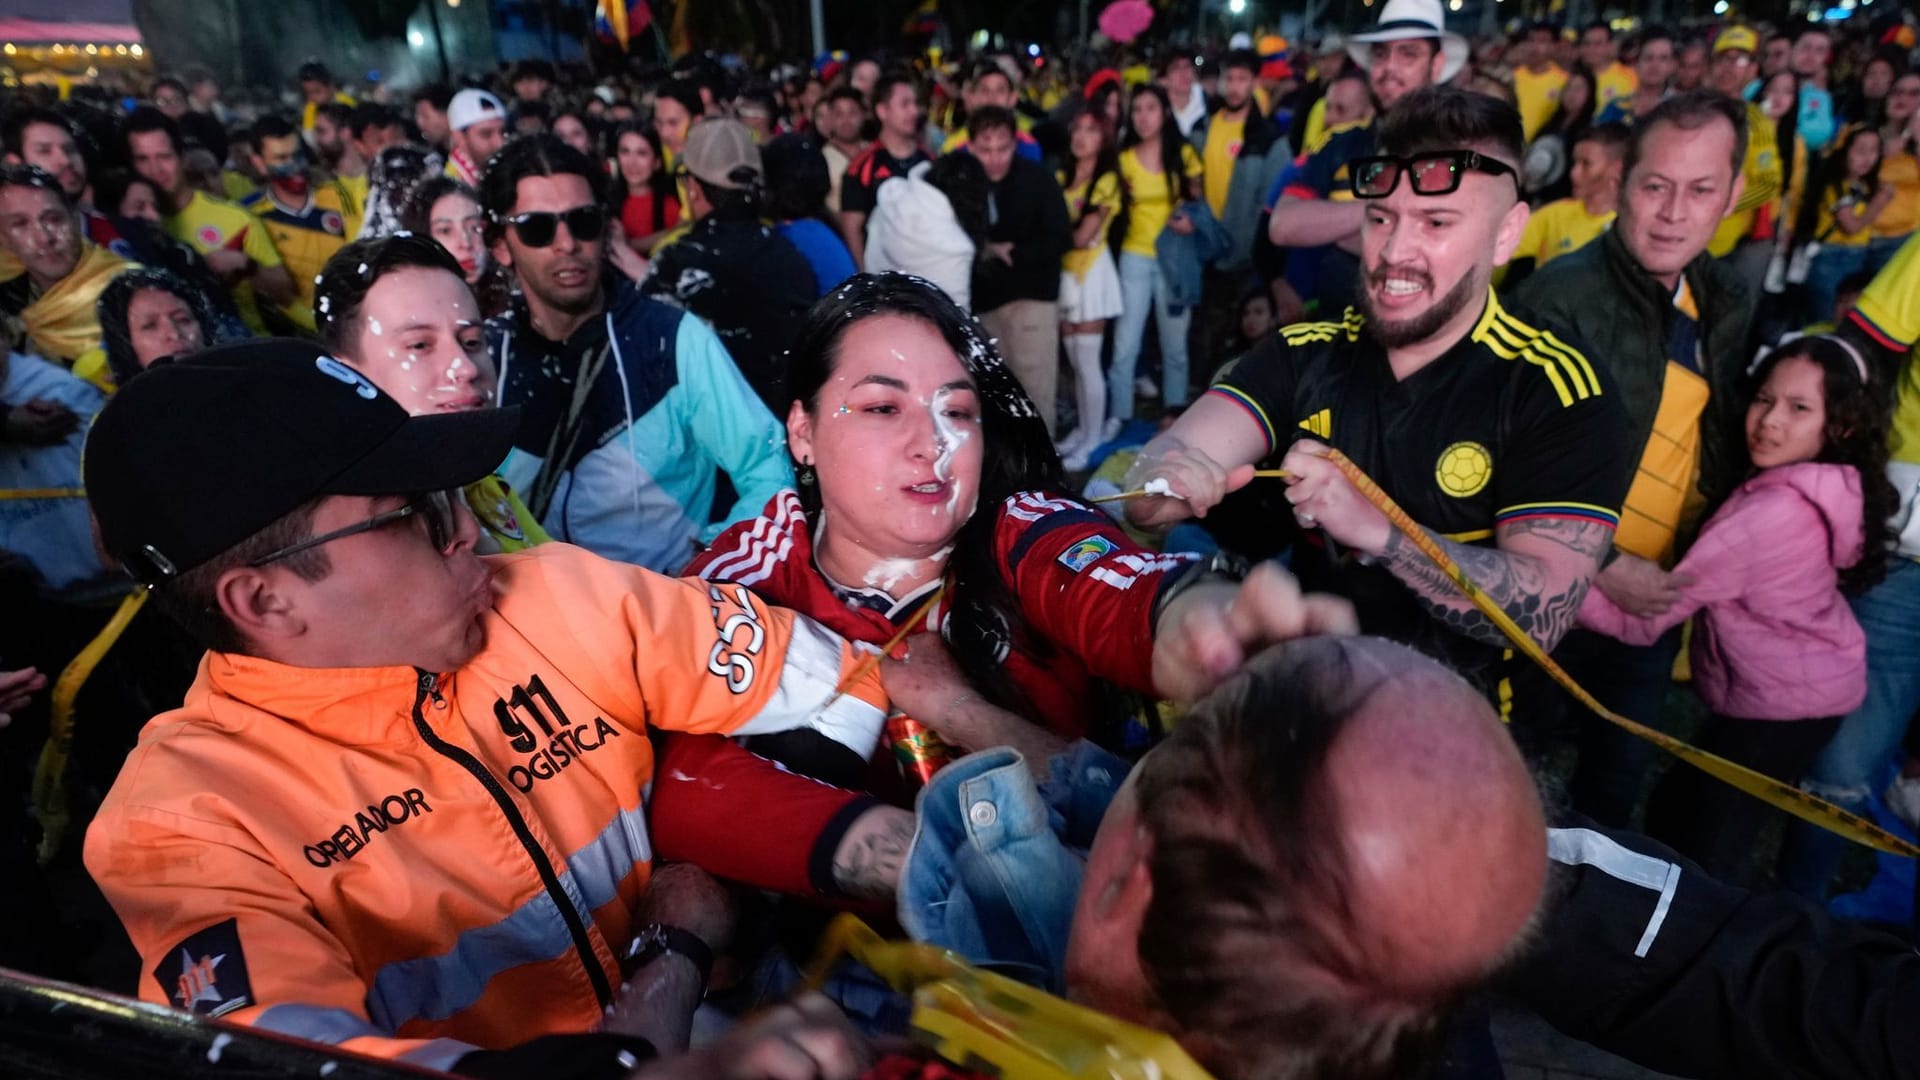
column 537, row 228
column 1437, row 172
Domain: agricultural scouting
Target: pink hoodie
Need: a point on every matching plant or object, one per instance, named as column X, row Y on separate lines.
column 1775, row 639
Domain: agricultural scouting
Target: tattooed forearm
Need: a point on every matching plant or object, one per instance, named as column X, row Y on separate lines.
column 1541, row 595
column 867, row 864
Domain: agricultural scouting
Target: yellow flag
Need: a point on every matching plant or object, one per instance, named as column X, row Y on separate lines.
column 615, row 12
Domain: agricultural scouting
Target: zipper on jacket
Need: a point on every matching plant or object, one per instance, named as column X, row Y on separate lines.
column 429, row 687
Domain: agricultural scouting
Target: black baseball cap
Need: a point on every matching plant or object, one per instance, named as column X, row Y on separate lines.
column 196, row 455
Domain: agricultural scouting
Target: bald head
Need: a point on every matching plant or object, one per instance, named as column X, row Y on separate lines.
column 1328, row 852
column 1442, row 833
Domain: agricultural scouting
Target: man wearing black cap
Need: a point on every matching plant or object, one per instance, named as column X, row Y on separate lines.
column 731, row 269
column 400, row 808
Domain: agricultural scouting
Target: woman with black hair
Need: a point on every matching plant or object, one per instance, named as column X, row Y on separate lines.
column 644, row 201
column 1089, row 280
column 575, row 128
column 930, row 499
column 133, row 206
column 1778, row 98
column 1159, row 171
column 1899, row 169
column 1549, row 161
column 1836, row 216
column 149, row 314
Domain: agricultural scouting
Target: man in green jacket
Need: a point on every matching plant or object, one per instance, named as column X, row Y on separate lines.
column 1674, row 323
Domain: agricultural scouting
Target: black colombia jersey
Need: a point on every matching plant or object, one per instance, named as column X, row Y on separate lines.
column 1512, row 423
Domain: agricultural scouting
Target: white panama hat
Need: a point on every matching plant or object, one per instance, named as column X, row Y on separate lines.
column 1405, row 20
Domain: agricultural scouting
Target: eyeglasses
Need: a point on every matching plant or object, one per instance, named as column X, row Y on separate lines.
column 435, row 508
column 1434, row 173
column 537, row 228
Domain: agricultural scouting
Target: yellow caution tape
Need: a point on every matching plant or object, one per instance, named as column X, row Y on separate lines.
column 1773, row 792
column 43, row 493
column 994, row 1024
column 50, row 774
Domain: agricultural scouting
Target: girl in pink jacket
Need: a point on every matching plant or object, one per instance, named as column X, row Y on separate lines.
column 1777, row 655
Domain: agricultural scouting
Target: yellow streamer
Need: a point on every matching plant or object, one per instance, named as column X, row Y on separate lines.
column 50, row 775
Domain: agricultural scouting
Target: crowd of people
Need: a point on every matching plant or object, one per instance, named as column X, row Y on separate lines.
column 599, row 524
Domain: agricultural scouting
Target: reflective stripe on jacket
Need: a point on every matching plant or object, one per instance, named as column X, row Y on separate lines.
column 414, row 864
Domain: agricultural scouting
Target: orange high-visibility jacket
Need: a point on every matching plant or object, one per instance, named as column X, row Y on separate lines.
column 417, row 864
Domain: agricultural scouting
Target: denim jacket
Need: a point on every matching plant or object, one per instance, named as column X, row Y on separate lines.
column 997, row 858
column 1185, row 257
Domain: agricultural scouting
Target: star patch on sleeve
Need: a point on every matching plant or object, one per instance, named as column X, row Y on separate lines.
column 207, row 973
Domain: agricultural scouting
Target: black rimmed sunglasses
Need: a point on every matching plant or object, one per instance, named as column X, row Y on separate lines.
column 1434, row 173
column 537, row 228
column 435, row 508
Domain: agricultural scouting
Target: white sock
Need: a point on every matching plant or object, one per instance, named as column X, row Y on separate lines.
column 1090, row 386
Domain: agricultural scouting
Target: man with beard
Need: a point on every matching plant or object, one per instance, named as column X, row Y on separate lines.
column 333, row 140
column 1243, row 152
column 478, row 129
column 43, row 137
column 1409, row 49
column 1501, row 439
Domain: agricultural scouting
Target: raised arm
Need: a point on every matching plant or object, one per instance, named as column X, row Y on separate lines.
column 1300, row 222
column 1207, row 453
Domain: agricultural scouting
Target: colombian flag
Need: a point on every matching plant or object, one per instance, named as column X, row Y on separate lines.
column 621, row 19
column 925, row 20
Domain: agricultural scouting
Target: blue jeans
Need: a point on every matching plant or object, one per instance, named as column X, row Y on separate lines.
column 1830, row 267
column 1143, row 286
column 1880, row 251
column 1863, row 748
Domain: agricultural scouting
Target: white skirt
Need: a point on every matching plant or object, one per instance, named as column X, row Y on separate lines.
column 1096, row 298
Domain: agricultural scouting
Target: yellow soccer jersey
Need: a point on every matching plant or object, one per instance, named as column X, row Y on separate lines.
column 1763, row 173
column 1558, row 228
column 307, row 237
column 209, row 224
column 1539, row 94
